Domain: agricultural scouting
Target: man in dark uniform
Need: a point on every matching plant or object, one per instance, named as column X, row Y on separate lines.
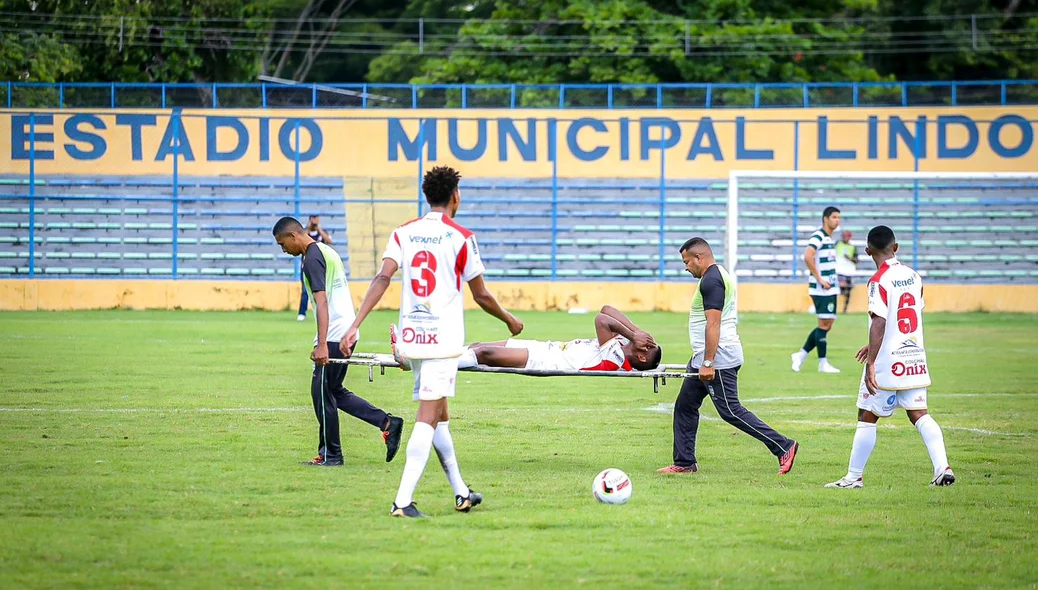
column 324, row 278
column 717, row 356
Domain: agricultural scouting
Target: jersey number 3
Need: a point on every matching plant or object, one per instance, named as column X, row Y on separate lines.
column 423, row 273
column 907, row 318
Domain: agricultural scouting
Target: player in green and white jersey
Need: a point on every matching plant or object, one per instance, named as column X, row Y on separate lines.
column 822, row 286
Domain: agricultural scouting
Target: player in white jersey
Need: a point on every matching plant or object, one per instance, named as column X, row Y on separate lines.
column 896, row 374
column 822, row 286
column 620, row 346
column 436, row 257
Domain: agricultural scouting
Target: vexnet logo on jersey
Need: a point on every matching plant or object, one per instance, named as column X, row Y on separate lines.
column 420, row 336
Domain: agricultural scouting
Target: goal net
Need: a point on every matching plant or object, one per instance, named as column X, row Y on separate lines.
column 950, row 226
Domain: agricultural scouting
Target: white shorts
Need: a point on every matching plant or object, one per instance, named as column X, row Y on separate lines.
column 434, row 378
column 885, row 402
column 543, row 356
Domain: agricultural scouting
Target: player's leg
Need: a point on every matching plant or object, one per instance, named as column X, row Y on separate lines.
column 724, row 392
column 392, row 427
column 914, row 402
column 870, row 409
column 825, row 311
column 846, row 286
column 469, row 356
column 498, row 356
column 686, row 426
column 329, row 452
column 464, row 497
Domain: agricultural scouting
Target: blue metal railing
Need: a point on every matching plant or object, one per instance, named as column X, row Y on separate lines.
column 510, row 96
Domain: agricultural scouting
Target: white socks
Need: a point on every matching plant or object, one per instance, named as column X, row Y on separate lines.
column 444, row 445
column 864, row 442
column 467, row 359
column 934, row 439
column 417, row 456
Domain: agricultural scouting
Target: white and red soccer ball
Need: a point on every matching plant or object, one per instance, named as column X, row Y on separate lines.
column 612, row 486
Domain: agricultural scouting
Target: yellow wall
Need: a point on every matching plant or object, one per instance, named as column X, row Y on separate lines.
column 592, row 143
column 520, row 296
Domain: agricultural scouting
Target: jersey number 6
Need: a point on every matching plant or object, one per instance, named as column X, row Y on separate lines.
column 907, row 318
column 423, row 273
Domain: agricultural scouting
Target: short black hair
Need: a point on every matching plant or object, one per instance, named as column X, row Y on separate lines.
column 829, row 211
column 653, row 362
column 692, row 243
column 881, row 238
column 287, row 225
column 439, row 184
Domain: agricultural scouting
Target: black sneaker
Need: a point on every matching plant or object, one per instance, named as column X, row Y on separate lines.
column 391, row 436
column 409, row 511
column 944, row 478
column 320, row 461
column 466, row 504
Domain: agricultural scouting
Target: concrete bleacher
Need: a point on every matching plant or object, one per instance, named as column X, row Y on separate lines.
column 124, row 226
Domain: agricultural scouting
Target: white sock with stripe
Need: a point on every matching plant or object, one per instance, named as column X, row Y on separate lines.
column 443, row 442
column 418, row 447
column 864, row 442
column 934, row 439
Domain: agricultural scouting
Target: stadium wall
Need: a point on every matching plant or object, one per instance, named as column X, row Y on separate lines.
column 61, row 295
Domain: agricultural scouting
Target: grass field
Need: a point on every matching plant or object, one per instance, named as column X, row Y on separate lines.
column 161, row 449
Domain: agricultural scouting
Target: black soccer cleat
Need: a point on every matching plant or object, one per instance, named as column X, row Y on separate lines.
column 409, row 511
column 391, row 436
column 321, row 461
column 466, row 504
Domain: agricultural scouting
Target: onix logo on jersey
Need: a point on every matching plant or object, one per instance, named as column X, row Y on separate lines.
column 423, row 279
column 900, row 370
column 410, row 336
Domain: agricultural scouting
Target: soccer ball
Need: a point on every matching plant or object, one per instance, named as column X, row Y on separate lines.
column 612, row 486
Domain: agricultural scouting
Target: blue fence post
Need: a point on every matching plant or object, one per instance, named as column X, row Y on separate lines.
column 554, row 139
column 904, row 94
column 421, row 163
column 854, row 94
column 32, row 195
column 263, row 89
column 414, row 97
column 216, row 103
column 296, row 204
column 163, row 96
column 1003, row 93
column 464, row 96
column 709, row 95
column 915, row 202
column 176, row 186
column 511, row 103
column 562, row 96
column 659, row 96
column 756, row 96
column 663, row 202
column 61, row 96
column 9, row 101
column 112, row 94
column 364, row 96
column 796, row 196
column 954, row 94
column 609, row 96
column 313, row 96
column 807, row 96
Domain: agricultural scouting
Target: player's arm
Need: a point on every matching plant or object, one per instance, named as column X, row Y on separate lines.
column 488, row 303
column 878, row 313
column 713, row 290
column 621, row 325
column 325, row 235
column 376, row 290
column 809, row 260
column 315, row 268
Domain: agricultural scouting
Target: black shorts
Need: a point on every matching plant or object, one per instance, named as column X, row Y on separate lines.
column 846, row 282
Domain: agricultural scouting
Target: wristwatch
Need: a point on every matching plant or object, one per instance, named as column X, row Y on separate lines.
column 708, row 364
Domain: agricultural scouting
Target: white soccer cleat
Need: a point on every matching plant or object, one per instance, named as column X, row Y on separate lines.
column 944, row 478
column 846, row 484
column 825, row 367
column 798, row 361
column 301, row 317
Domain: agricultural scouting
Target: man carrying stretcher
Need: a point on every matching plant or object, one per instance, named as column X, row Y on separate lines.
column 620, row 346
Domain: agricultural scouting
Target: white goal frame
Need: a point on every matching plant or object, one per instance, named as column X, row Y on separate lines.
column 731, row 238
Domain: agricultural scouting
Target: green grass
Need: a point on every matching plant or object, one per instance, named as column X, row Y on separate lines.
column 115, row 476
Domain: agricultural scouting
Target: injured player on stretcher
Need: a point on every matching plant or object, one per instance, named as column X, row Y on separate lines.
column 619, row 346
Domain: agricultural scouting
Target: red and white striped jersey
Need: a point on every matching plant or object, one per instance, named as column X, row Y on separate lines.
column 436, row 257
column 589, row 355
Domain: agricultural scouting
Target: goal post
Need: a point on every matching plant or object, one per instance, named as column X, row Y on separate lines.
column 984, row 206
